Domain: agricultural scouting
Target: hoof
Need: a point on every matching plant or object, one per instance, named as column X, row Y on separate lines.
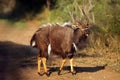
column 59, row 72
column 74, row 73
column 48, row 73
column 40, row 74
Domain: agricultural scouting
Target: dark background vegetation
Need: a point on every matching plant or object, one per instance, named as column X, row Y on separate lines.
column 18, row 9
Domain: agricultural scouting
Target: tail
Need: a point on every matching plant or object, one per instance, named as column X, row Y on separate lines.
column 32, row 41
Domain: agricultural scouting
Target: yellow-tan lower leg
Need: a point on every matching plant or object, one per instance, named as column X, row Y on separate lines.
column 44, row 64
column 71, row 65
column 39, row 63
column 63, row 62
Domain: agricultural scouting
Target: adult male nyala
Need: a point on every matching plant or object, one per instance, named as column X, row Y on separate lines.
column 61, row 40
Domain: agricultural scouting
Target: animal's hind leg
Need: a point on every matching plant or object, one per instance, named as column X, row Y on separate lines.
column 44, row 64
column 45, row 67
column 39, row 64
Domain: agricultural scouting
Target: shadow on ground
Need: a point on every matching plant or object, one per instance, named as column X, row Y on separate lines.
column 78, row 69
column 12, row 57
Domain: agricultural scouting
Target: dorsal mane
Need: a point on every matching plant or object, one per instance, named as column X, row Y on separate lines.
column 66, row 24
column 46, row 25
column 56, row 24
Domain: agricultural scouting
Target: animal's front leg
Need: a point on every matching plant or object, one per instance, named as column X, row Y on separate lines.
column 63, row 62
column 71, row 66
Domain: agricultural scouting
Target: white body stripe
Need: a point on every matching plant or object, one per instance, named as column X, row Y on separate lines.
column 33, row 44
column 74, row 45
column 49, row 49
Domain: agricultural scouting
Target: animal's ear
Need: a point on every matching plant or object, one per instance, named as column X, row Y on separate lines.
column 80, row 25
column 77, row 25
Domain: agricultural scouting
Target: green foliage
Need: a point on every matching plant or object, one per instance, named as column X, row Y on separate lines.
column 64, row 8
column 108, row 15
column 115, row 22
